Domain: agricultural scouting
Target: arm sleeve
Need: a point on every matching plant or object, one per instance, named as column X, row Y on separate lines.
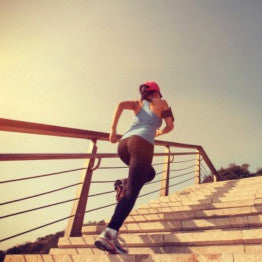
column 168, row 113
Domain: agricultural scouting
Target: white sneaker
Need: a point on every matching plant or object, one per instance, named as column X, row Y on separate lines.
column 109, row 241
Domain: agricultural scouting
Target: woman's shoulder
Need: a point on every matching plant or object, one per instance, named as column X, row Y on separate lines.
column 137, row 103
column 164, row 104
column 129, row 104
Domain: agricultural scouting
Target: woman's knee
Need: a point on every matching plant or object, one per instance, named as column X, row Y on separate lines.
column 150, row 177
column 151, row 174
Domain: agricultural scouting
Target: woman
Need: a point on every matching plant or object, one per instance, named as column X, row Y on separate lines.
column 136, row 149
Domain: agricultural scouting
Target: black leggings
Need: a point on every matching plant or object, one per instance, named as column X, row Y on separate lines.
column 137, row 153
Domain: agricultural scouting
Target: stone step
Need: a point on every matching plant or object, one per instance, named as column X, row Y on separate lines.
column 192, row 205
column 237, row 182
column 186, row 249
column 169, row 224
column 193, row 214
column 157, row 215
column 225, row 186
column 218, row 197
column 197, row 190
column 204, row 237
column 206, row 199
column 218, row 189
column 213, row 257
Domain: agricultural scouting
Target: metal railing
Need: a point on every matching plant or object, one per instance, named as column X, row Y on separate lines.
column 76, row 218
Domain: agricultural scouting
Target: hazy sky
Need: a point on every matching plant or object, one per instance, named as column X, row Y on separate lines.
column 70, row 62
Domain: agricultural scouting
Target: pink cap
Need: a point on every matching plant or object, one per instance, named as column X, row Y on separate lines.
column 152, row 86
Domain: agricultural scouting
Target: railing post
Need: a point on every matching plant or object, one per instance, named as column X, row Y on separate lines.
column 75, row 223
column 209, row 164
column 214, row 177
column 197, row 167
column 165, row 177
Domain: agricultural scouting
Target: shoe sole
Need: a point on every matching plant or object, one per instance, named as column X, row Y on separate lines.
column 103, row 247
column 99, row 244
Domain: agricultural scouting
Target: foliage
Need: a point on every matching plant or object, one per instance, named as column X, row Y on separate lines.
column 259, row 172
column 41, row 246
column 232, row 172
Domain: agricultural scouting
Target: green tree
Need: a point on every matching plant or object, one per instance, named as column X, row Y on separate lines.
column 232, row 172
column 259, row 172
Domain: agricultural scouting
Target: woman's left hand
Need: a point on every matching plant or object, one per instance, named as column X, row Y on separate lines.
column 158, row 132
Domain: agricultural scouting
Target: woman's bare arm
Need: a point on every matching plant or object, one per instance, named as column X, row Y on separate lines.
column 168, row 121
column 169, row 127
column 128, row 105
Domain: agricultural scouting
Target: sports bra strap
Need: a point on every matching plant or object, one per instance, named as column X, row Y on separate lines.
column 146, row 104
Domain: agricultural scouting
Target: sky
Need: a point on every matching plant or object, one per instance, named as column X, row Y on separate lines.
column 69, row 63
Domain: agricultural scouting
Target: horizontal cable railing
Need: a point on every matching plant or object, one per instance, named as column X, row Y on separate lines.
column 40, row 194
column 40, row 176
column 37, row 208
column 90, row 210
column 75, row 221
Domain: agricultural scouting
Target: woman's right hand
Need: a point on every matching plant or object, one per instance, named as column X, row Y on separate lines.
column 112, row 136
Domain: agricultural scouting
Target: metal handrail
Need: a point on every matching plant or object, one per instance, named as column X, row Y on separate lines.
column 53, row 156
column 52, row 130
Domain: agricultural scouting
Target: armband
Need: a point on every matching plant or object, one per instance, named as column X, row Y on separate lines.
column 168, row 113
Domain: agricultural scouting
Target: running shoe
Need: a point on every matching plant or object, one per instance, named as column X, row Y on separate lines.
column 111, row 243
column 120, row 188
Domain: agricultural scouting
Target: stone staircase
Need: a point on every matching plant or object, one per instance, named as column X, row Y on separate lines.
column 219, row 221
